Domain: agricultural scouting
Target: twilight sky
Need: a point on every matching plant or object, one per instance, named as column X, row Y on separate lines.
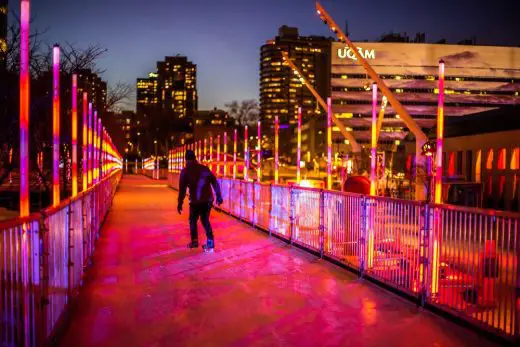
column 223, row 37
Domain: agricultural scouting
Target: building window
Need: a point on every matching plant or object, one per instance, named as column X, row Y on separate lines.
column 515, row 159
column 489, row 160
column 502, row 159
column 478, row 165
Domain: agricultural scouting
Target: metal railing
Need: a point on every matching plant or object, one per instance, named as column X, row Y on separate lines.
column 42, row 261
column 464, row 261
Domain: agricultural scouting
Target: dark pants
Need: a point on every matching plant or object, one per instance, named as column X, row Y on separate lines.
column 200, row 211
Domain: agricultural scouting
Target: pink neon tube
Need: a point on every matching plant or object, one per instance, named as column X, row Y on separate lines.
column 56, row 126
column 205, row 153
column 24, row 108
column 299, row 147
column 440, row 136
column 98, row 158
column 235, row 155
column 276, row 130
column 218, row 155
column 94, row 147
column 225, row 154
column 329, row 143
column 74, row 135
column 246, row 155
column 85, row 142
column 259, row 155
column 89, row 149
column 373, row 175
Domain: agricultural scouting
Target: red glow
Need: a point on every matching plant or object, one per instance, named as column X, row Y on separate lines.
column 451, row 164
column 56, row 127
column 24, row 107
column 74, row 135
column 85, row 141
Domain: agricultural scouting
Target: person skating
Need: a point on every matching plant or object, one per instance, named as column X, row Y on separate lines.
column 199, row 180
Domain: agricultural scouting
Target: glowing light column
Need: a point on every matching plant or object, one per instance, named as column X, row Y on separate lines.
column 74, row 134
column 211, row 153
column 246, row 154
column 56, row 126
column 299, row 147
column 85, row 142
column 89, row 149
column 438, row 185
column 24, row 107
column 225, row 154
column 235, row 155
column 259, row 154
column 373, row 174
column 94, row 147
column 205, row 154
column 440, row 136
column 329, row 143
column 98, row 158
column 276, row 130
column 218, row 155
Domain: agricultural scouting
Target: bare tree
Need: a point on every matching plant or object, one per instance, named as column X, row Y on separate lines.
column 244, row 113
column 118, row 95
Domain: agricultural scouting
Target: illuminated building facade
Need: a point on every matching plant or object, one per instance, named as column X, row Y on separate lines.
column 96, row 88
column 282, row 92
column 177, row 86
column 478, row 78
column 167, row 102
column 3, row 32
column 211, row 123
column 485, row 148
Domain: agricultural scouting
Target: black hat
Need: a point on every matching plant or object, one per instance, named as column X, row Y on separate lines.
column 190, row 155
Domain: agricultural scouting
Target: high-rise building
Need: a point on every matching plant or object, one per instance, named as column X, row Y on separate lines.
column 177, row 85
column 282, row 92
column 3, row 32
column 167, row 101
column 96, row 88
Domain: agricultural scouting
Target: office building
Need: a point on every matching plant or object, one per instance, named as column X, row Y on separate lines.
column 96, row 88
column 167, row 101
column 282, row 92
column 478, row 78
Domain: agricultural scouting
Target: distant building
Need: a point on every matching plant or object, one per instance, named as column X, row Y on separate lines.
column 212, row 123
column 3, row 32
column 478, row 78
column 485, row 148
column 281, row 91
column 96, row 88
column 167, row 102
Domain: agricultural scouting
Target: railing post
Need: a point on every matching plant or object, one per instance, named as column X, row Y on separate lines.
column 70, row 244
column 322, row 223
column 270, row 208
column 363, row 240
column 292, row 214
column 254, row 203
column 44, row 270
column 424, row 271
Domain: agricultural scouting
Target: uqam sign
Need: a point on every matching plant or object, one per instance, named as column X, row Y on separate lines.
column 347, row 53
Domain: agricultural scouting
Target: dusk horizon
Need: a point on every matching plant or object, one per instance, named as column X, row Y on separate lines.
column 224, row 39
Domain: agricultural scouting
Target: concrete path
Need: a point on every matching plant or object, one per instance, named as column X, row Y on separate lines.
column 147, row 289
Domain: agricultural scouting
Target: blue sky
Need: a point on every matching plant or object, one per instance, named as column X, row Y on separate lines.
column 223, row 37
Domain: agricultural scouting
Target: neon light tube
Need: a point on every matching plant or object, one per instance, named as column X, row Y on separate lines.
column 56, row 126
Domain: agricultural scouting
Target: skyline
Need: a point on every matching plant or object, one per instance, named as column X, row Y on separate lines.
column 224, row 38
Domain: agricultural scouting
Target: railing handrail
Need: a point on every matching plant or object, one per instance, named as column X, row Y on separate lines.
column 17, row 221
column 467, row 209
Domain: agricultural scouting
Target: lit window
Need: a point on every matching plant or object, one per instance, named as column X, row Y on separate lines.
column 502, row 159
column 515, row 159
column 489, row 160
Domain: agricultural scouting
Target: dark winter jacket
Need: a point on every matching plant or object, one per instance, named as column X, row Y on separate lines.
column 199, row 180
